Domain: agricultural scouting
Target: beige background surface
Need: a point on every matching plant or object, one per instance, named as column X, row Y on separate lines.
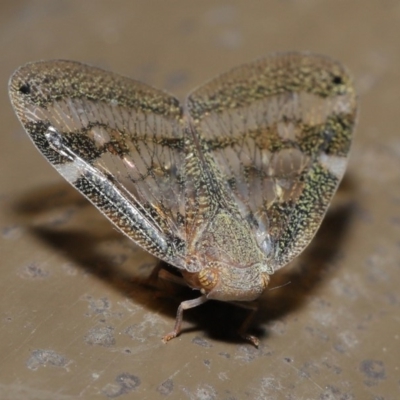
column 75, row 321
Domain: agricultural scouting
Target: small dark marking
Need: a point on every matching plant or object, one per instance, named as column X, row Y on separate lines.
column 25, row 89
column 248, row 354
column 317, row 333
column 128, row 381
column 11, row 232
column 337, row 80
column 33, row 271
column 340, row 348
column 124, row 384
column 337, row 370
column 373, row 369
column 201, row 342
column 99, row 306
column 101, row 336
column 166, row 388
column 333, row 393
column 42, row 358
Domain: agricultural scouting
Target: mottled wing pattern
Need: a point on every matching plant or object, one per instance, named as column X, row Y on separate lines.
column 118, row 141
column 278, row 132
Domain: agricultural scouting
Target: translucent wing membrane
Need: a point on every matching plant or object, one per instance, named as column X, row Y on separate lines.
column 118, row 141
column 278, row 132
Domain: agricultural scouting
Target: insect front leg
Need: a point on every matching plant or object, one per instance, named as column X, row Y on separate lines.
column 185, row 305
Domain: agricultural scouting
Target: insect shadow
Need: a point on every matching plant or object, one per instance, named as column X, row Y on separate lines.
column 63, row 220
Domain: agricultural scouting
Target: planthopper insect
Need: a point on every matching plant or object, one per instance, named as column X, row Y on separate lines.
column 227, row 188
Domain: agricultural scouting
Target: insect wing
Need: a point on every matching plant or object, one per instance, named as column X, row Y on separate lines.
column 118, row 141
column 279, row 132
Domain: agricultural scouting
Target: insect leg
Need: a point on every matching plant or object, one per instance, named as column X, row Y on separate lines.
column 160, row 272
column 170, row 277
column 153, row 277
column 253, row 308
column 185, row 305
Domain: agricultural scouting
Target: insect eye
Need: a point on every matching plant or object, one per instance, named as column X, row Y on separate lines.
column 208, row 278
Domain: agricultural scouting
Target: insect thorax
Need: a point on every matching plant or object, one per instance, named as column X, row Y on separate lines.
column 231, row 266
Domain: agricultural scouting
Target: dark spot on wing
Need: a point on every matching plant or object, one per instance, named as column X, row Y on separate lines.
column 337, row 80
column 25, row 88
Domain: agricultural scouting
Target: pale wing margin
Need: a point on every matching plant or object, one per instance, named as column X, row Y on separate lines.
column 279, row 131
column 118, row 141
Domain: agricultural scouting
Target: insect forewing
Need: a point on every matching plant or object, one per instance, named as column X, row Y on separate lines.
column 118, row 141
column 278, row 131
